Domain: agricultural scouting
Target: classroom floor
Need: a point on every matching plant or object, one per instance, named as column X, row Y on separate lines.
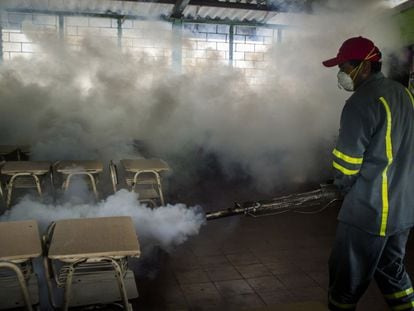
column 246, row 263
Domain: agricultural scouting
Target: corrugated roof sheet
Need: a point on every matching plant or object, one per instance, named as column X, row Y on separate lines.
column 236, row 15
column 142, row 9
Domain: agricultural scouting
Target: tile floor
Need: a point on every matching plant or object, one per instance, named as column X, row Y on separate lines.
column 245, row 263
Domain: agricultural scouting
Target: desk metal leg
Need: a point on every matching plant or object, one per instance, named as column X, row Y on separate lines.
column 22, row 282
column 121, row 284
column 52, row 184
column 160, row 189
column 119, row 278
column 158, row 181
column 68, row 286
column 95, row 191
column 65, row 184
column 39, row 189
column 10, row 185
column 92, row 179
column 9, row 191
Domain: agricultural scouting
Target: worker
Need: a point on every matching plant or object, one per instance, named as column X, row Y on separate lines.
column 374, row 170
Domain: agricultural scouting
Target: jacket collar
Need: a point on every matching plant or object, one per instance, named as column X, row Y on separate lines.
column 373, row 77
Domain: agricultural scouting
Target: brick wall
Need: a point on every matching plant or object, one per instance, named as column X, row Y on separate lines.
column 151, row 39
column 250, row 47
column 202, row 44
column 21, row 31
column 206, row 44
column 77, row 27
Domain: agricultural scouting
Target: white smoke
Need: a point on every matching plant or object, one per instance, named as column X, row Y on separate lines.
column 92, row 102
column 165, row 226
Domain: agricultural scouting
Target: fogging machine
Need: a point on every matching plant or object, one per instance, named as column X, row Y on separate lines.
column 318, row 200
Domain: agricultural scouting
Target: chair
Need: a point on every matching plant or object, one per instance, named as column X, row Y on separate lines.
column 15, row 152
column 86, row 279
column 24, row 175
column 89, row 169
column 141, row 177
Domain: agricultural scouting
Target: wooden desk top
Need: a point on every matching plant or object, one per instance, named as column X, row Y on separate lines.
column 137, row 165
column 19, row 240
column 6, row 149
column 94, row 237
column 89, row 166
column 34, row 167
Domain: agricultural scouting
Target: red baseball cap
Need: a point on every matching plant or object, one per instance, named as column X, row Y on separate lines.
column 357, row 48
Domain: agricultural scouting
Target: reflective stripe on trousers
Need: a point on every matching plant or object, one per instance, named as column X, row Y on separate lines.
column 357, row 257
column 394, row 299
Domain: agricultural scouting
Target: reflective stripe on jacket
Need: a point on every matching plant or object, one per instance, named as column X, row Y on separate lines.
column 374, row 157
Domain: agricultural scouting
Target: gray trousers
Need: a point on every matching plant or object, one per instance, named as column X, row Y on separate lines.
column 357, row 257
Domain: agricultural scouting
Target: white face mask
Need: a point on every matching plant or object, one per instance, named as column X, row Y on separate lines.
column 345, row 81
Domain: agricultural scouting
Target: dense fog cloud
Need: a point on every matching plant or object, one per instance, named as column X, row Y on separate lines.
column 96, row 101
column 165, row 226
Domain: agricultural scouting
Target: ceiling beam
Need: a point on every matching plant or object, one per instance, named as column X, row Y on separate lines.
column 138, row 17
column 180, row 5
column 179, row 8
column 232, row 5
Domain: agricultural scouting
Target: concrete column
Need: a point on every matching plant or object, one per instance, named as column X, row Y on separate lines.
column 1, row 36
column 177, row 29
column 279, row 35
column 119, row 24
column 61, row 27
column 231, row 45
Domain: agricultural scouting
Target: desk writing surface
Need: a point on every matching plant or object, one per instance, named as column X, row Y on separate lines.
column 137, row 165
column 19, row 240
column 94, row 237
column 35, row 167
column 68, row 167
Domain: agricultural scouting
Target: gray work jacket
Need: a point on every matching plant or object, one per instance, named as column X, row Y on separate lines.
column 374, row 157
